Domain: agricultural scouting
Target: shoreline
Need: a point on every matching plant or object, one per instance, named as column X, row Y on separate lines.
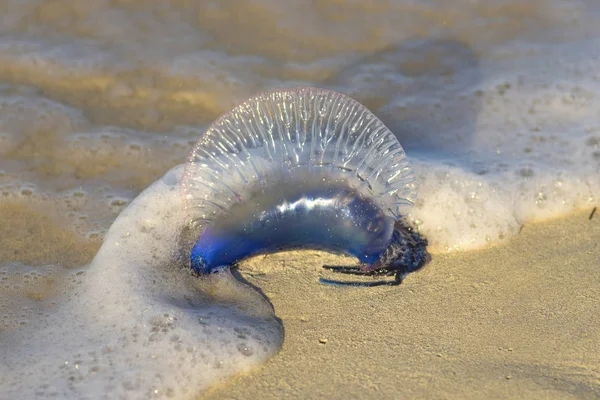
column 516, row 320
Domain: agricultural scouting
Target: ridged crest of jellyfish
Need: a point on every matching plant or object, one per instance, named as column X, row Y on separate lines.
column 295, row 135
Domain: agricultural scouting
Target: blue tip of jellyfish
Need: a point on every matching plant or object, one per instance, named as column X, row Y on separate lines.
column 197, row 264
column 201, row 268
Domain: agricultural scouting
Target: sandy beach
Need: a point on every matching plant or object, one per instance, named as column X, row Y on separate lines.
column 518, row 320
column 495, row 105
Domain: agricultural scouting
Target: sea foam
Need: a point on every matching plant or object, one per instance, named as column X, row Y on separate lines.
column 531, row 152
column 136, row 323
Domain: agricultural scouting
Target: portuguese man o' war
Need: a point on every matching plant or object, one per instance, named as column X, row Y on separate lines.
column 302, row 168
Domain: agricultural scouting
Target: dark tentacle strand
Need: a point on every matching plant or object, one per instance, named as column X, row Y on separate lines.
column 332, row 282
column 352, row 270
column 342, row 269
column 406, row 253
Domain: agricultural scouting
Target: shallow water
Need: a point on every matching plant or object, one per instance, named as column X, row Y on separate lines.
column 495, row 104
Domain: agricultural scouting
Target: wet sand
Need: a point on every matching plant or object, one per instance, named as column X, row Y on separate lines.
column 518, row 320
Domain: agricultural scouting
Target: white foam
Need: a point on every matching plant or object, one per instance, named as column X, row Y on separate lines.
column 534, row 153
column 136, row 323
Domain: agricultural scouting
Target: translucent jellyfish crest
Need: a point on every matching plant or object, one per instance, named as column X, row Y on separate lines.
column 301, row 133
